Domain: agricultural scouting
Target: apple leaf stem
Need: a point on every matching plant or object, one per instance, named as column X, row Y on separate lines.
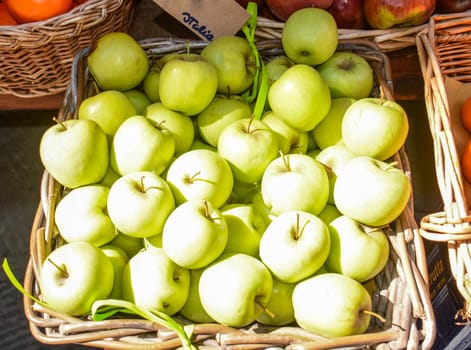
column 61, row 268
column 285, row 160
column 374, row 314
column 103, row 309
column 144, row 189
column 259, row 91
column 299, row 230
column 60, row 122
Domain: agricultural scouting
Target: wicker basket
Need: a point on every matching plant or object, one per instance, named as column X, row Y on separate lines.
column 386, row 39
column 445, row 60
column 400, row 292
column 37, row 57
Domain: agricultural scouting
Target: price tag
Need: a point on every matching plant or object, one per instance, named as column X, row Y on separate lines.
column 207, row 18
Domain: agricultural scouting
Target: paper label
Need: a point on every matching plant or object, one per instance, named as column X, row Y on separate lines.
column 207, row 18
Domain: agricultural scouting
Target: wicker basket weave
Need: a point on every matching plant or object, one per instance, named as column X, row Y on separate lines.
column 36, row 58
column 445, row 58
column 399, row 293
column 386, row 39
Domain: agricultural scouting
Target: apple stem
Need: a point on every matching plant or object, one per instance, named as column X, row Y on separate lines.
column 193, row 177
column 299, row 230
column 374, row 314
column 268, row 311
column 144, row 189
column 285, row 159
column 62, row 268
column 391, row 165
column 381, row 94
column 60, row 122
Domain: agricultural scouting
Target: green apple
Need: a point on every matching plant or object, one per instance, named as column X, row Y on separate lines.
column 242, row 193
column 110, row 177
column 108, row 109
column 193, row 310
column 295, row 182
column 200, row 144
column 375, row 127
column 245, row 228
column 75, row 152
column 261, row 208
column 291, row 140
column 332, row 305
column 130, row 245
column 81, row 216
column 222, row 111
column 295, row 245
column 194, row 234
column 153, row 241
column 118, row 62
column 118, row 259
column 200, row 174
column 279, row 310
column 234, row 61
column 179, row 125
column 249, row 145
column 329, row 213
column 235, row 289
column 351, row 242
column 139, row 203
column 348, row 75
column 371, row 191
column 154, row 282
column 308, row 95
column 276, row 66
column 187, row 83
column 309, row 36
column 150, row 84
column 141, row 144
column 139, row 100
column 69, row 285
column 329, row 131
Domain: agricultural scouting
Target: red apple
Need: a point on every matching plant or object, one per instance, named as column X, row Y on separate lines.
column 348, row 13
column 260, row 3
column 282, row 9
column 448, row 6
column 384, row 14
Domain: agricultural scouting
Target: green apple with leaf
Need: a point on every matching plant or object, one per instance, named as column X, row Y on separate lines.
column 295, row 245
column 70, row 286
column 75, row 152
column 139, row 204
column 235, row 289
column 81, row 216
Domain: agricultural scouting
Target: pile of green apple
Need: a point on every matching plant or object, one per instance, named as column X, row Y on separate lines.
column 178, row 198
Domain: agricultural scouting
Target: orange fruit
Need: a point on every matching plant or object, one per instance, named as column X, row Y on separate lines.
column 25, row 11
column 6, row 19
column 466, row 162
column 466, row 114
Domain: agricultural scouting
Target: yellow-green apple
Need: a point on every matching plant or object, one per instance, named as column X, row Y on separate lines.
column 276, row 66
column 279, row 310
column 139, row 100
column 69, row 285
column 139, row 203
column 81, row 216
column 130, row 245
column 295, row 245
column 110, row 177
column 371, row 191
column 108, row 109
column 332, row 305
column 350, row 242
column 179, row 125
column 154, row 282
column 200, row 174
column 150, row 84
column 75, row 152
column 153, row 241
column 261, row 208
column 249, row 145
column 234, row 61
column 291, row 139
column 193, row 310
column 118, row 62
column 118, row 259
column 309, row 36
column 198, row 143
column 375, row 127
column 194, row 234
column 235, row 289
column 242, row 193
column 181, row 93
column 295, row 182
column 384, row 14
column 329, row 213
column 329, row 131
column 282, row 9
column 141, row 144
column 222, row 111
column 245, row 228
column 308, row 95
column 348, row 75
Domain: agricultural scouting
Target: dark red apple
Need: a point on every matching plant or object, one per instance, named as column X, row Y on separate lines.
column 282, row 9
column 384, row 14
column 244, row 3
column 348, row 13
column 448, row 6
